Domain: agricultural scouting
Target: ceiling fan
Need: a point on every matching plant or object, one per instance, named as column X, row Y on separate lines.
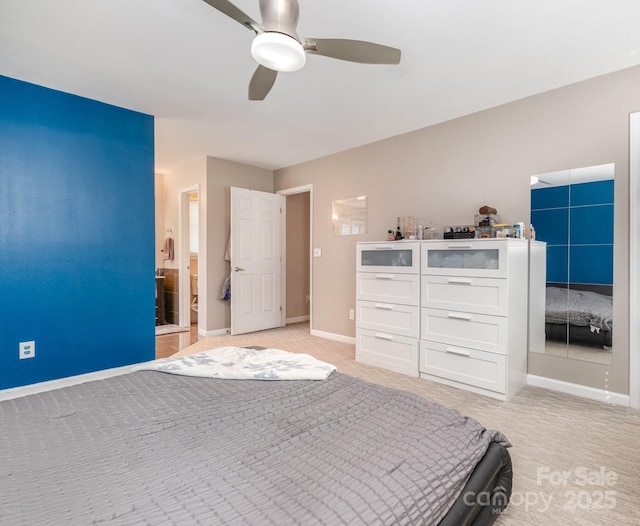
column 277, row 47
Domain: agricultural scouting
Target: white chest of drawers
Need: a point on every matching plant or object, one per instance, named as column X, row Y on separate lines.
column 474, row 316
column 388, row 305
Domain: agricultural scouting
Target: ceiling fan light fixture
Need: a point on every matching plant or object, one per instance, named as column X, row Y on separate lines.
column 278, row 52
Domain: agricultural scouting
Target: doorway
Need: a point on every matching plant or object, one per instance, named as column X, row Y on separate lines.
column 189, row 238
column 298, row 241
column 256, row 260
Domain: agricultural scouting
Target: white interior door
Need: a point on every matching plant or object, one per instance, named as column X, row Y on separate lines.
column 256, row 260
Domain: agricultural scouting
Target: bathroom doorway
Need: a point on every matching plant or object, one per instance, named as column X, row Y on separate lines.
column 189, row 212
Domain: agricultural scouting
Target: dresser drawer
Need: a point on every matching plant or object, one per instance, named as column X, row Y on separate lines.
column 470, row 294
column 469, row 366
column 403, row 320
column 467, row 329
column 393, row 352
column 388, row 287
column 398, row 257
column 472, row 257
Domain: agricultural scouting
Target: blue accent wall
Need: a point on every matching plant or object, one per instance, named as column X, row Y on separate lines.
column 576, row 221
column 76, row 234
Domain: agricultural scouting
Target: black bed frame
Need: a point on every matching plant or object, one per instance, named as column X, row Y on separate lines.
column 486, row 493
column 579, row 335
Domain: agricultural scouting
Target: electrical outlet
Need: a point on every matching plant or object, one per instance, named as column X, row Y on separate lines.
column 27, row 349
column 317, row 252
column 352, row 314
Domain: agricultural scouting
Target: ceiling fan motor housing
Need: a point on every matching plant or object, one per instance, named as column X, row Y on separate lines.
column 280, row 16
column 278, row 47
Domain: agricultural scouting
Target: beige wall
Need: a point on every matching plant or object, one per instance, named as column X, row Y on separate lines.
column 186, row 176
column 190, row 174
column 444, row 173
column 297, row 271
column 221, row 176
column 215, row 178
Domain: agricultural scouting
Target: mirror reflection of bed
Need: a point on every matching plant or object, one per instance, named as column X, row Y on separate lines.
column 572, row 212
column 579, row 321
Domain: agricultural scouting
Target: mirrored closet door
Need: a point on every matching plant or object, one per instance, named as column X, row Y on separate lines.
column 572, row 212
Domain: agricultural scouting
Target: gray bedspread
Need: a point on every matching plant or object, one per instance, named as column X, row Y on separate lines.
column 579, row 307
column 158, row 449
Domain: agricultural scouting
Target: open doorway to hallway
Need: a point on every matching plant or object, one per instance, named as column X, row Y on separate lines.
column 298, row 260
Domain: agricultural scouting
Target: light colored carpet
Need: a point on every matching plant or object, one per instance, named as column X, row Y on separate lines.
column 169, row 329
column 561, row 444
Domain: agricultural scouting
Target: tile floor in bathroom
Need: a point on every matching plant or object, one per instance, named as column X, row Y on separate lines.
column 168, row 344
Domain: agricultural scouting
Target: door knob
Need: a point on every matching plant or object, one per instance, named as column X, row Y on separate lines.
column 237, row 269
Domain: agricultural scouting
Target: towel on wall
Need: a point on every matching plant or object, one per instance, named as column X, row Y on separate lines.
column 168, row 249
column 227, row 252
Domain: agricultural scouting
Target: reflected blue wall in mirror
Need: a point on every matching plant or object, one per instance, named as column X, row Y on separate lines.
column 576, row 221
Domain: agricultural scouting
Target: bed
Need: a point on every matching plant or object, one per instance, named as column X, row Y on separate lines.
column 580, row 314
column 153, row 448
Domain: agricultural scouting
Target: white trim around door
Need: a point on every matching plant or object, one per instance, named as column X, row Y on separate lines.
column 634, row 260
column 184, row 275
column 292, row 191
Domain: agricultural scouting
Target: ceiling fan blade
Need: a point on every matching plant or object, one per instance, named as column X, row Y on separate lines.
column 261, row 83
column 353, row 50
column 226, row 7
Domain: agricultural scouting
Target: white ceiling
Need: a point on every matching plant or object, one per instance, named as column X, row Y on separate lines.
column 189, row 66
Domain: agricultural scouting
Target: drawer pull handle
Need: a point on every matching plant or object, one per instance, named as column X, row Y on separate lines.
column 384, row 306
column 459, row 352
column 383, row 336
column 460, row 246
column 385, row 276
column 384, row 247
column 455, row 316
column 461, row 281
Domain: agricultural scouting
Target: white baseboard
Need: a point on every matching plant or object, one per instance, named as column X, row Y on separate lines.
column 335, row 337
column 217, row 332
column 298, row 319
column 15, row 392
column 583, row 391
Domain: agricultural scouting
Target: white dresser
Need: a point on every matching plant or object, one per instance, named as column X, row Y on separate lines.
column 474, row 316
column 388, row 305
